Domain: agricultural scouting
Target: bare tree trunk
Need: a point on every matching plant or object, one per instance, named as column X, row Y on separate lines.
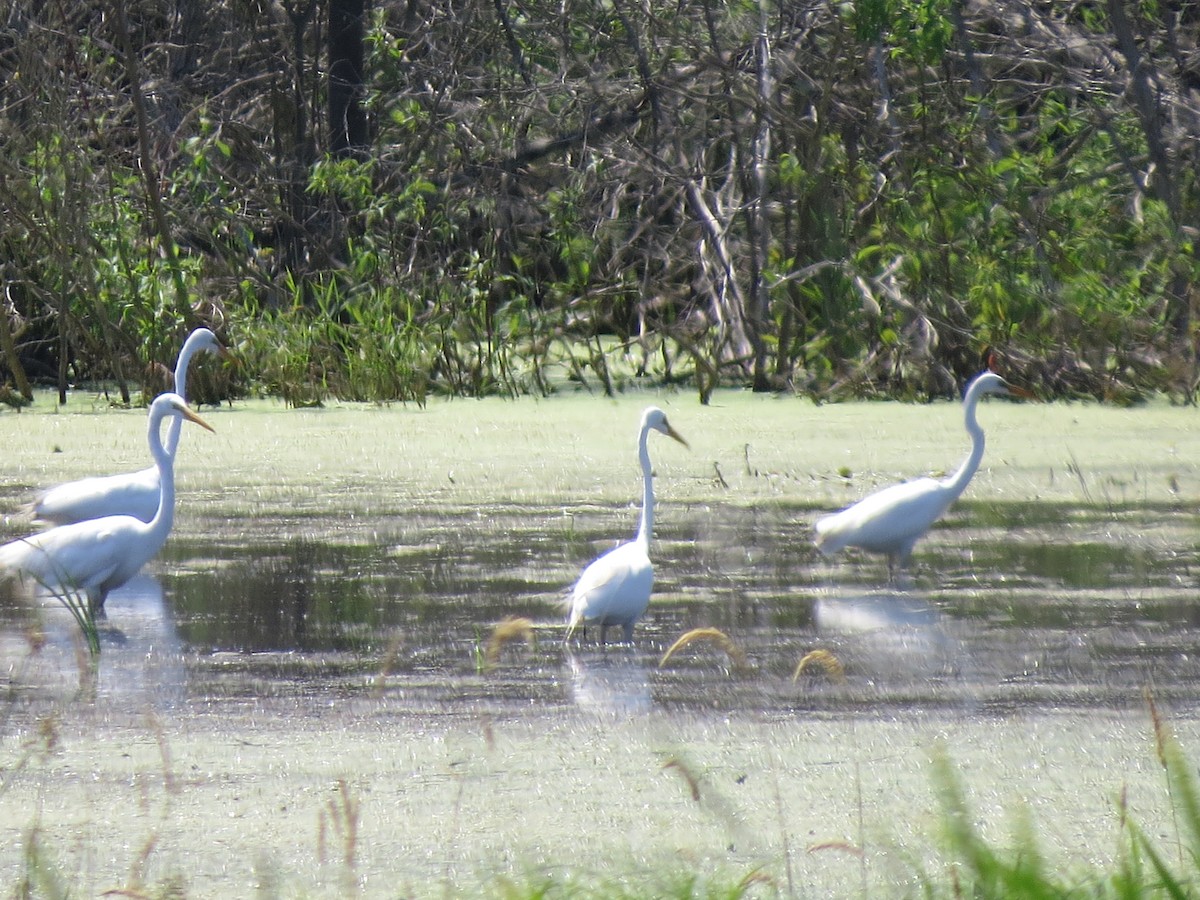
column 78, row 277
column 148, row 165
column 759, row 230
column 347, row 120
column 297, row 156
column 64, row 345
column 188, row 20
column 728, row 304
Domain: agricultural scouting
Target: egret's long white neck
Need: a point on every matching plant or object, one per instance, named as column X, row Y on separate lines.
column 164, row 460
column 190, row 347
column 962, row 477
column 646, row 525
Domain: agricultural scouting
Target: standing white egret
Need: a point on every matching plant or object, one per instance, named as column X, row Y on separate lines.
column 615, row 588
column 98, row 555
column 130, row 493
column 892, row 520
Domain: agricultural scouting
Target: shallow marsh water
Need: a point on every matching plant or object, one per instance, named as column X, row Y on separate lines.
column 322, row 611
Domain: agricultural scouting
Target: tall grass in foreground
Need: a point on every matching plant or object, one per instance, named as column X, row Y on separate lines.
column 970, row 865
column 981, row 870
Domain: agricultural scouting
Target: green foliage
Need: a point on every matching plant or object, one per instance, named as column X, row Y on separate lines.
column 978, row 868
column 920, row 29
column 588, row 180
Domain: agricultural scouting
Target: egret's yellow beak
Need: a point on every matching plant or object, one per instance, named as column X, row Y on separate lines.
column 671, row 432
column 187, row 413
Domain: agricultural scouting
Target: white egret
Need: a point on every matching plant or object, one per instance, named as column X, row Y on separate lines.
column 892, row 520
column 615, row 588
column 130, row 493
column 97, row 555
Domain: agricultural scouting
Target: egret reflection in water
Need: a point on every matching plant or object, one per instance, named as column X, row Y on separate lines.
column 892, row 636
column 142, row 656
column 141, row 661
column 614, row 682
column 1005, row 622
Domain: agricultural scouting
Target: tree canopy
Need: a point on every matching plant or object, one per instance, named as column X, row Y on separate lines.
column 376, row 200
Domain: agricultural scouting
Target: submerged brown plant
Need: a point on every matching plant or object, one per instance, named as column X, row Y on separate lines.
column 843, row 846
column 714, row 635
column 511, row 629
column 341, row 816
column 1161, row 734
column 823, row 660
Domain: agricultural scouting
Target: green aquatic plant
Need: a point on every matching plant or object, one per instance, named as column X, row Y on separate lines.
column 41, row 875
column 77, row 603
column 81, row 610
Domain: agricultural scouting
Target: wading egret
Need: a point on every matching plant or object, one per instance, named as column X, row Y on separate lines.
column 98, row 555
column 131, row 493
column 892, row 520
column 615, row 589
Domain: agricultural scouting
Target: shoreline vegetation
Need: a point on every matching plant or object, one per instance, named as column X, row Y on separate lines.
column 388, row 202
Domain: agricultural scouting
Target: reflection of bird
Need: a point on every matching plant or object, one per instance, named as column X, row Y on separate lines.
column 130, row 493
column 615, row 589
column 613, row 683
column 890, row 638
column 891, row 521
column 142, row 663
column 97, row 555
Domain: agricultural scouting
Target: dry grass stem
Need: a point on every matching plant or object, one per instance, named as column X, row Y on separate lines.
column 170, row 782
column 716, row 636
column 389, row 664
column 341, row 816
column 1160, row 727
column 823, row 660
column 511, row 629
column 843, row 846
column 685, row 772
column 757, row 877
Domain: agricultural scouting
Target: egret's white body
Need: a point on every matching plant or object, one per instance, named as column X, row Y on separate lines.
column 130, row 493
column 892, row 520
column 615, row 588
column 97, row 555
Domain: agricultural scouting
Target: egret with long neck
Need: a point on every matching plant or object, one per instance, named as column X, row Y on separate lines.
column 130, row 493
column 892, row 520
column 615, row 588
column 96, row 556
